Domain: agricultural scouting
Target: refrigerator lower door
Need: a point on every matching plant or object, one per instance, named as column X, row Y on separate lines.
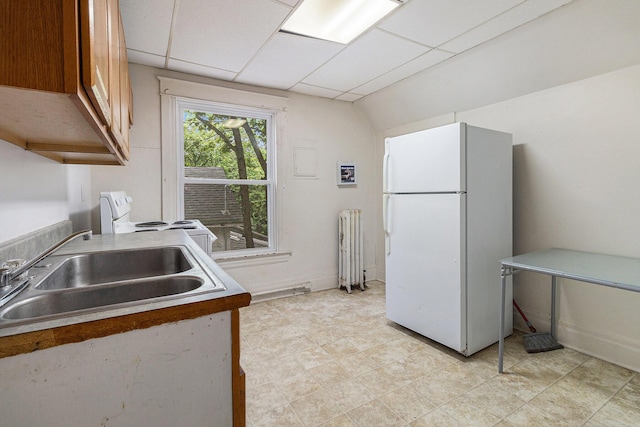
column 425, row 265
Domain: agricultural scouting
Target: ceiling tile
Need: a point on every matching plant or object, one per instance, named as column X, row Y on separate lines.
column 502, row 23
column 370, row 56
column 434, row 22
column 290, row 2
column 145, row 58
column 225, row 35
column 200, row 70
column 316, row 91
column 147, row 24
column 423, row 62
column 274, row 65
column 238, row 40
column 349, row 97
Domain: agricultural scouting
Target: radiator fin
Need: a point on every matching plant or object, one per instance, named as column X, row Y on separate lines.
column 350, row 254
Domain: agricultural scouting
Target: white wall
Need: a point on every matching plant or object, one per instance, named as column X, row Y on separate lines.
column 576, row 181
column 307, row 207
column 36, row 192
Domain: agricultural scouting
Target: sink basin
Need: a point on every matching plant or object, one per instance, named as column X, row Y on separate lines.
column 48, row 304
column 112, row 266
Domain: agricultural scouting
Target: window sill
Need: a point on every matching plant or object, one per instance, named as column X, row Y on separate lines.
column 231, row 260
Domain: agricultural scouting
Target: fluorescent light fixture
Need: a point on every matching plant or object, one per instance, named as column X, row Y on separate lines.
column 337, row 20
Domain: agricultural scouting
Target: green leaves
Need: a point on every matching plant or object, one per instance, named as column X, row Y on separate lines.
column 238, row 145
column 208, row 143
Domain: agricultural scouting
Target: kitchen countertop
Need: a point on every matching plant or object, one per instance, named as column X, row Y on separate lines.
column 25, row 337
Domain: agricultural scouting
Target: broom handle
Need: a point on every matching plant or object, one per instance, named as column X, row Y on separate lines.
column 529, row 324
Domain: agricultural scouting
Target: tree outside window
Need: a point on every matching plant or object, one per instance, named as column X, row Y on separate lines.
column 226, row 182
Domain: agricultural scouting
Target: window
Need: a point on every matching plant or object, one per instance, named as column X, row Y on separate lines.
column 226, row 179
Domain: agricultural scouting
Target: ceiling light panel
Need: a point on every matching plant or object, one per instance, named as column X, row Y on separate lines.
column 337, row 20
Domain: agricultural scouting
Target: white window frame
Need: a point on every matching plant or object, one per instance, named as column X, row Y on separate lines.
column 230, row 110
column 177, row 95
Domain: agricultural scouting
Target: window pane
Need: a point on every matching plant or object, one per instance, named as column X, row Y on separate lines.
column 237, row 144
column 228, row 146
column 236, row 214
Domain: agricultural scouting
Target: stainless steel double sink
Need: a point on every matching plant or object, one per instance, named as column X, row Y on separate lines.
column 86, row 282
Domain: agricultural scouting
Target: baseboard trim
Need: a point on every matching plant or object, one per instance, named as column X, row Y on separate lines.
column 613, row 348
column 300, row 289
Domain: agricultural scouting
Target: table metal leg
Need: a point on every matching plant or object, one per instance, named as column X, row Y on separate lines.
column 503, row 277
column 553, row 305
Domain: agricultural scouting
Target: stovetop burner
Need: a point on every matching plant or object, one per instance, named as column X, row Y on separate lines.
column 115, row 207
column 151, row 224
column 184, row 224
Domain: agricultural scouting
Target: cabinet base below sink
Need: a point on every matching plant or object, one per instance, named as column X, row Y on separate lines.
column 172, row 374
column 146, row 351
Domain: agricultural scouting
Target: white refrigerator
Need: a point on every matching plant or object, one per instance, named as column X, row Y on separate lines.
column 447, row 213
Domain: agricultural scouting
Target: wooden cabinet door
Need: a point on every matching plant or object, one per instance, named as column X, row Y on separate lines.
column 116, row 38
column 95, row 55
column 105, row 72
column 32, row 41
column 126, row 106
column 72, row 53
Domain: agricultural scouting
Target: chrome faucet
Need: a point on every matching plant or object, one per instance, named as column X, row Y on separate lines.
column 7, row 275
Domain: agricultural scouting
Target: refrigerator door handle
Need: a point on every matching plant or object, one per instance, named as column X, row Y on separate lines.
column 385, row 167
column 386, row 222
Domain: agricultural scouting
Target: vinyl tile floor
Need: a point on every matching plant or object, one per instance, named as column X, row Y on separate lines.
column 332, row 359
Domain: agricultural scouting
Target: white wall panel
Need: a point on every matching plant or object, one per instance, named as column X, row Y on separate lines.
column 35, row 192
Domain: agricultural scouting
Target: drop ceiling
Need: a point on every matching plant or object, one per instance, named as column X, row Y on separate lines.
column 239, row 41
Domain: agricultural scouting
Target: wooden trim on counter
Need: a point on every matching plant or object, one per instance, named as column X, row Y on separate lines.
column 87, row 161
column 238, row 389
column 39, row 340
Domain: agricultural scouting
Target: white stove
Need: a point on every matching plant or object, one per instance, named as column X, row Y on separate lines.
column 114, row 219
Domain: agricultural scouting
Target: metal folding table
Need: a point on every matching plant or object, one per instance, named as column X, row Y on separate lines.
column 607, row 270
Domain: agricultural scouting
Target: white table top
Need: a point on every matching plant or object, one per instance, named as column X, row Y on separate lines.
column 608, row 270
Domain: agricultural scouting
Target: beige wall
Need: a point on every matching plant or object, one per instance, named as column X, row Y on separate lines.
column 307, row 208
column 36, row 192
column 576, row 180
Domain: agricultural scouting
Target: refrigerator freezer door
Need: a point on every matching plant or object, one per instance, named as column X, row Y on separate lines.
column 425, row 265
column 430, row 161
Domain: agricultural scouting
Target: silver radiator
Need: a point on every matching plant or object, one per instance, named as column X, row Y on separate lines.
column 350, row 254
